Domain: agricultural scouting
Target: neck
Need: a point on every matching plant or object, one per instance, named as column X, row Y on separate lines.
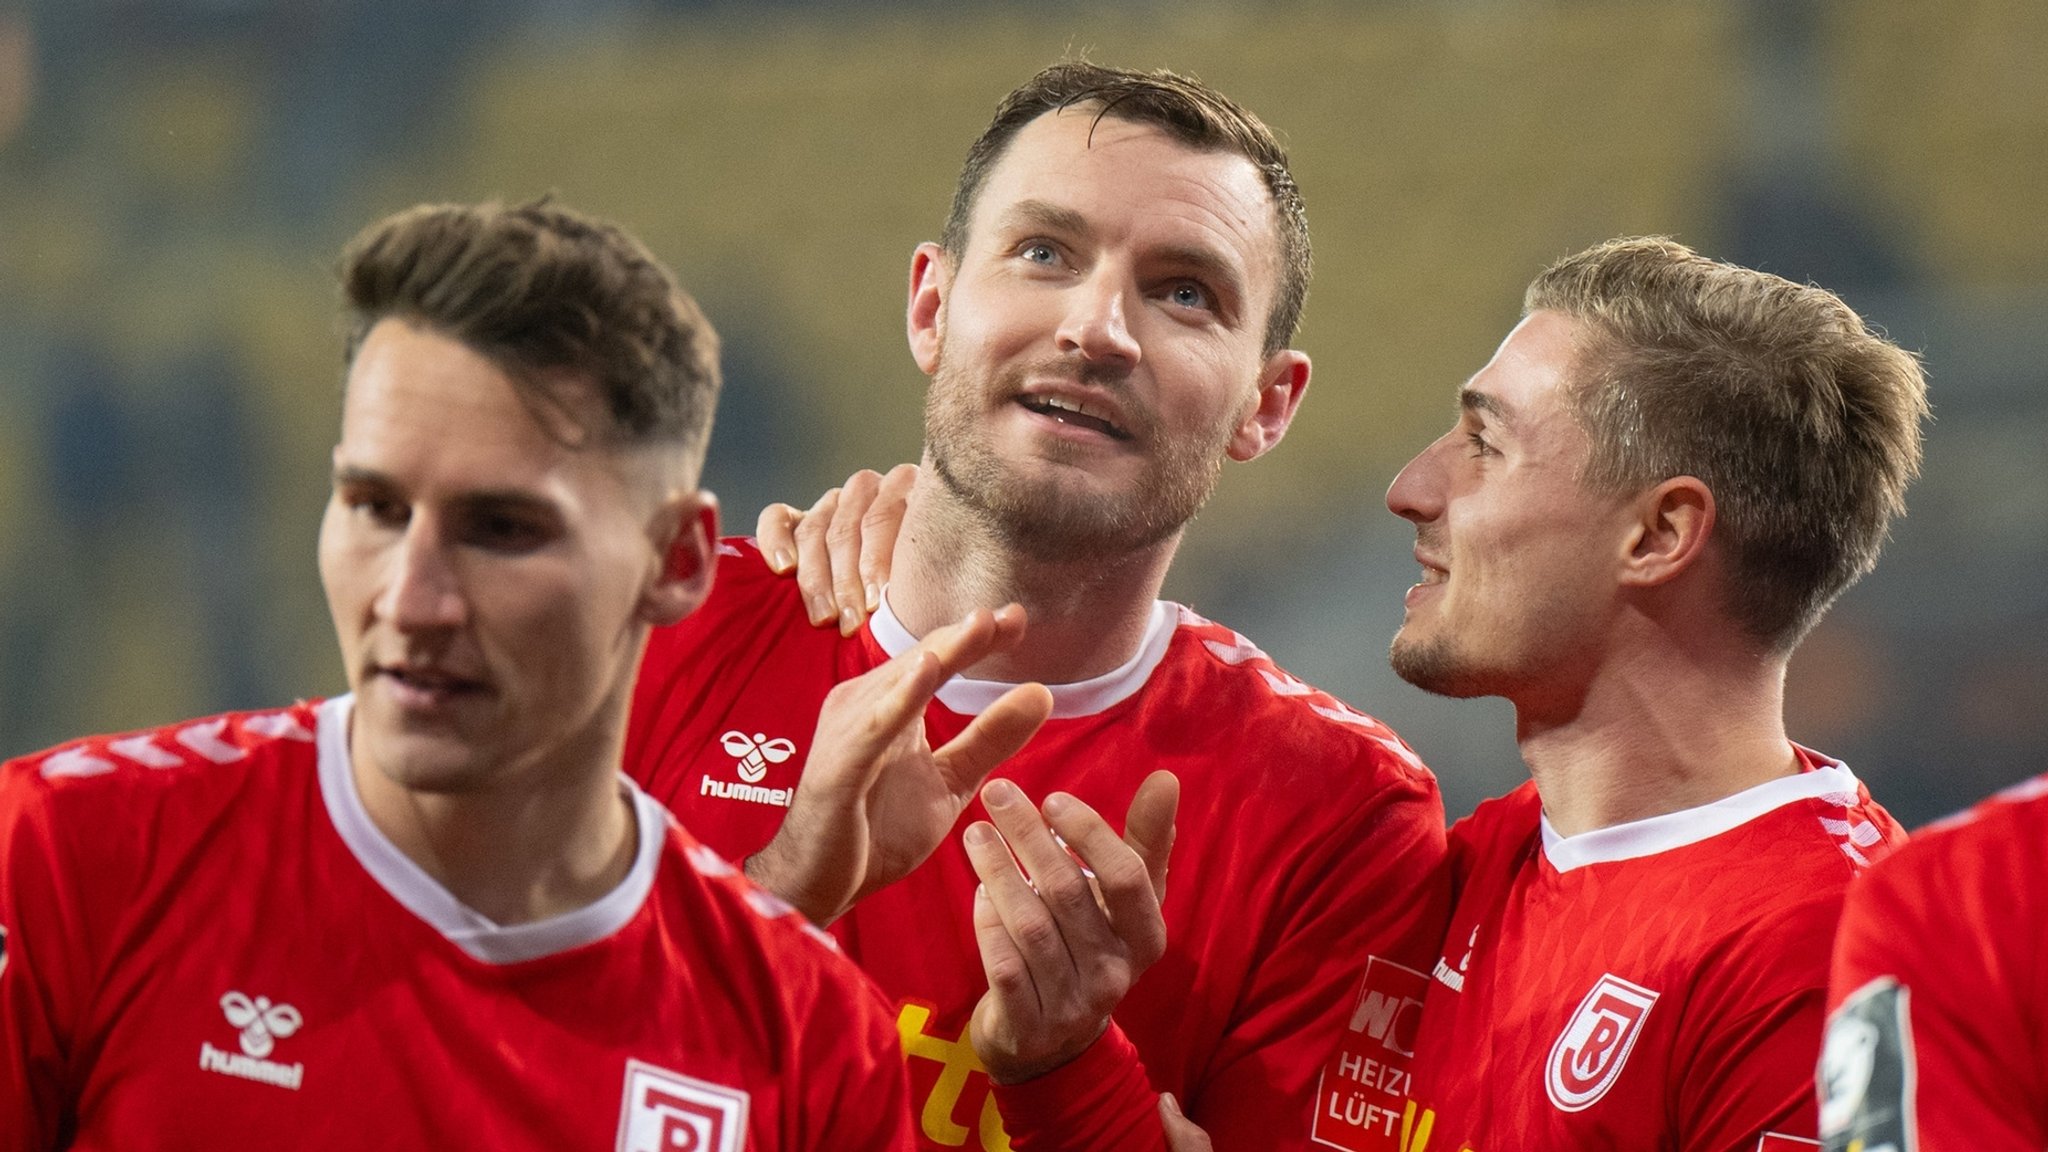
column 1084, row 617
column 533, row 844
column 1660, row 733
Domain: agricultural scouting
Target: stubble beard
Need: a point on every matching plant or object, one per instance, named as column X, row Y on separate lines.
column 1436, row 666
column 1040, row 517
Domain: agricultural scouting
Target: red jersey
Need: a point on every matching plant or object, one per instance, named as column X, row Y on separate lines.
column 1309, row 839
column 1939, row 1035
column 1656, row 986
column 208, row 945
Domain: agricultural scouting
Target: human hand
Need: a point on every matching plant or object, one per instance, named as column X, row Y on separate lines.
column 1182, row 1134
column 875, row 799
column 840, row 548
column 1061, row 947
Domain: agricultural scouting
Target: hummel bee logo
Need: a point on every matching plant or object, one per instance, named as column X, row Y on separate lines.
column 755, row 753
column 262, row 1025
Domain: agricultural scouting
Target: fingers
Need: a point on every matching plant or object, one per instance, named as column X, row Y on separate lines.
column 1149, row 825
column 878, row 530
column 775, row 532
column 978, row 635
column 1182, row 1134
column 814, row 560
column 844, row 548
column 1009, row 977
column 993, row 737
column 1123, row 877
column 1068, row 928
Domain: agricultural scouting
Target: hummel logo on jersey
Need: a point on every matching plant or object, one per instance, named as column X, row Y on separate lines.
column 1596, row 1042
column 755, row 753
column 667, row 1111
column 262, row 1025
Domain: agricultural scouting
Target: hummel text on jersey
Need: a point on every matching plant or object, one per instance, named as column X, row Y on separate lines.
column 751, row 793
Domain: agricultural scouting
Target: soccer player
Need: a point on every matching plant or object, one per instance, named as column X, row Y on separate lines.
column 1104, row 322
column 431, row 913
column 1667, row 472
column 1940, row 993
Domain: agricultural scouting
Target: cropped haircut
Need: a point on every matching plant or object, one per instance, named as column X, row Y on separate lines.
column 540, row 290
column 1804, row 422
column 1187, row 110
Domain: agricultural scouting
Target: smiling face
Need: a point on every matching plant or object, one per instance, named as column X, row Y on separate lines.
column 490, row 584
column 1519, row 558
column 1098, row 350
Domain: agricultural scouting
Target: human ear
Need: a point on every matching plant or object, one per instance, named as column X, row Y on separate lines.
column 1673, row 522
column 1282, row 382
column 931, row 278
column 688, row 559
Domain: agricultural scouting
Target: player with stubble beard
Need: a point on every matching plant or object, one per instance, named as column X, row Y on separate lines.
column 1105, row 321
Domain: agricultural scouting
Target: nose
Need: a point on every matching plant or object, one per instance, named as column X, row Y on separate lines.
column 1095, row 324
column 1416, row 494
column 421, row 590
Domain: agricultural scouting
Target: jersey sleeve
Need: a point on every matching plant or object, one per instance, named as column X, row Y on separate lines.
column 1371, row 888
column 1928, row 1046
column 866, row 1108
column 44, row 966
column 1101, row 1101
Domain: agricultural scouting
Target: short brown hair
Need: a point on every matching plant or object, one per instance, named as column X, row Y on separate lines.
column 541, row 288
column 1804, row 422
column 1184, row 108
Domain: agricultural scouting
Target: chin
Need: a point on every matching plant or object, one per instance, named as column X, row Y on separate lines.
column 1435, row 666
column 433, row 764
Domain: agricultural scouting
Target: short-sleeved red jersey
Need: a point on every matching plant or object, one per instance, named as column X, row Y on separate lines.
column 1652, row 986
column 209, row 945
column 1938, row 1037
column 1309, row 839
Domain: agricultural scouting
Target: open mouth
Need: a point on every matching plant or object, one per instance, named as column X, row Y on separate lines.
column 1075, row 412
column 420, row 683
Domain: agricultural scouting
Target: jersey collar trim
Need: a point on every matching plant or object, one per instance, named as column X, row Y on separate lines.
column 1831, row 780
column 1081, row 698
column 424, row 897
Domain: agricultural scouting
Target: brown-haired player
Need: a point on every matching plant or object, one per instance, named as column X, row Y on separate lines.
column 431, row 913
column 1104, row 325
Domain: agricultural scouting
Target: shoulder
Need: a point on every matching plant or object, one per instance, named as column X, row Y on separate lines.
column 193, row 754
column 799, row 960
column 1245, row 697
column 1986, row 864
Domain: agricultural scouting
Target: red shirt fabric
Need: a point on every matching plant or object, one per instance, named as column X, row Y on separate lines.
column 1310, row 838
column 1657, row 985
column 208, row 945
column 1938, row 1027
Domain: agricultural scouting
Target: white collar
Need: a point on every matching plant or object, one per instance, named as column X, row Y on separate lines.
column 1647, row 837
column 1081, row 698
column 424, row 896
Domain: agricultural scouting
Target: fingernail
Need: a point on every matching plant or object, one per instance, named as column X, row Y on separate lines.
column 1172, row 1105
column 874, row 596
column 782, row 560
column 849, row 621
column 978, row 833
column 1057, row 803
column 821, row 609
column 1001, row 794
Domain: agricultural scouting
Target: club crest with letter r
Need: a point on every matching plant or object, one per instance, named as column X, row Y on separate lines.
column 669, row 1112
column 1595, row 1043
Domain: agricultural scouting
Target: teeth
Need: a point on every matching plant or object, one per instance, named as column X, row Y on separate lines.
column 1066, row 405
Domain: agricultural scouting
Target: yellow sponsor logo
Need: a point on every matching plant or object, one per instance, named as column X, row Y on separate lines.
column 956, row 1059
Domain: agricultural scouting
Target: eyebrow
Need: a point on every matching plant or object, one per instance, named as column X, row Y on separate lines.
column 1049, row 216
column 485, row 499
column 1473, row 400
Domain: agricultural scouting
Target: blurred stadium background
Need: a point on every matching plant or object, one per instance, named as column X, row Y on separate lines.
column 176, row 177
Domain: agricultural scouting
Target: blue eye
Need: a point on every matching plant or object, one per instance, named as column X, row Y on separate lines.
column 1189, row 295
column 1039, row 252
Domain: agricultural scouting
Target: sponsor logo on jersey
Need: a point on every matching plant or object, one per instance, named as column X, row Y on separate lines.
column 262, row 1025
column 667, row 1111
column 753, row 754
column 937, row 1115
column 1866, row 1072
column 1595, row 1043
column 1364, row 1086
